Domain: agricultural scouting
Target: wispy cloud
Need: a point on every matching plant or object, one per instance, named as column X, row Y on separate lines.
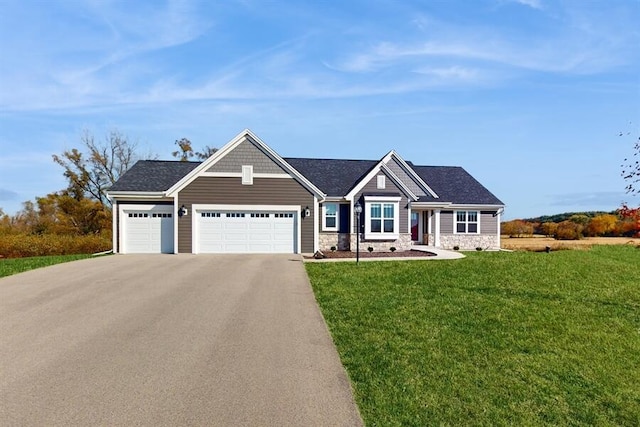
column 8, row 194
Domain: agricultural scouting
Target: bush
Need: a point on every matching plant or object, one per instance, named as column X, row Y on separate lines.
column 478, row 249
column 333, row 248
column 392, row 249
column 569, row 230
column 29, row 245
column 370, row 249
column 456, row 248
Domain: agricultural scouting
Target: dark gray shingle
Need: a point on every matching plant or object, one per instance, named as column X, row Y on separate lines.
column 153, row 175
column 454, row 184
column 333, row 177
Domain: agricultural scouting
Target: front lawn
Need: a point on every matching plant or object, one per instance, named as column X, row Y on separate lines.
column 18, row 265
column 492, row 339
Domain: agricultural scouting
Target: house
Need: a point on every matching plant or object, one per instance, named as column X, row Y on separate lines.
column 245, row 198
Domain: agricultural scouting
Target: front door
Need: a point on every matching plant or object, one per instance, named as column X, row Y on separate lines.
column 415, row 226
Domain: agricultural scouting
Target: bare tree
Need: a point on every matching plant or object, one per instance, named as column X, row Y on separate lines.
column 92, row 170
column 631, row 170
column 185, row 151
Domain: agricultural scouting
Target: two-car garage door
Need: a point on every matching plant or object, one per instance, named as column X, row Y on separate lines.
column 242, row 231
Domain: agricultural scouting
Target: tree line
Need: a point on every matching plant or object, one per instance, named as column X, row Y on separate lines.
column 625, row 222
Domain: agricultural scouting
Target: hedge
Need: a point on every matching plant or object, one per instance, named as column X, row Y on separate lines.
column 28, row 245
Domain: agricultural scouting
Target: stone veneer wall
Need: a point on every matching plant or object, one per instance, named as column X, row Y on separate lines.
column 402, row 244
column 468, row 242
column 339, row 240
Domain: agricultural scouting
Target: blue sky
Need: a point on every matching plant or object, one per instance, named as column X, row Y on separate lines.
column 528, row 95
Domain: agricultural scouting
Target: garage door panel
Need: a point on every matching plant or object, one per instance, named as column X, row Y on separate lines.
column 246, row 232
column 148, row 231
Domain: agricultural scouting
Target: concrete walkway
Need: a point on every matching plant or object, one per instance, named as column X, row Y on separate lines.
column 169, row 340
column 440, row 254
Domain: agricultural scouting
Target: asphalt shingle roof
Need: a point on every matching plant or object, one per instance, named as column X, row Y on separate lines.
column 153, row 175
column 334, row 177
column 454, row 184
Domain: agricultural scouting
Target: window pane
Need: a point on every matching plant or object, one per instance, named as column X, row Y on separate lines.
column 330, row 222
column 473, row 228
column 461, row 216
column 331, row 209
column 388, row 210
column 473, row 216
column 388, row 226
column 461, row 227
column 376, row 225
column 375, row 210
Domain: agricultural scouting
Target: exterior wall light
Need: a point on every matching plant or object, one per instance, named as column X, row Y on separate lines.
column 182, row 211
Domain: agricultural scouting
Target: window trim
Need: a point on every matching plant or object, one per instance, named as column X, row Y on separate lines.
column 466, row 221
column 324, row 217
column 381, row 200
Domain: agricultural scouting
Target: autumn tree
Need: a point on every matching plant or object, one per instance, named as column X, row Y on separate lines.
column 92, row 169
column 569, row 230
column 186, row 152
column 631, row 220
column 602, row 225
column 549, row 228
column 517, row 228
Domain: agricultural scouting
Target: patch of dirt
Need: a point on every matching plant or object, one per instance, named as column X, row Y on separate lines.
column 374, row 254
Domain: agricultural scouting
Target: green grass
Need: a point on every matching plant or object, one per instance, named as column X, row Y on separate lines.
column 18, row 265
column 492, row 339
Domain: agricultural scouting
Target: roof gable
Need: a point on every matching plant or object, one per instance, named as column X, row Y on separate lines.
column 249, row 137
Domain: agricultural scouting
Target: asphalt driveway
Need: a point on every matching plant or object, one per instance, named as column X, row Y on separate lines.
column 169, row 340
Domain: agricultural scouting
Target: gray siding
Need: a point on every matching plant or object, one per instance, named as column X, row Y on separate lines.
column 264, row 191
column 446, row 222
column 391, row 189
column 405, row 178
column 488, row 222
column 246, row 154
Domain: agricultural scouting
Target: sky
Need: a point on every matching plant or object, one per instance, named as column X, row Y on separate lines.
column 538, row 99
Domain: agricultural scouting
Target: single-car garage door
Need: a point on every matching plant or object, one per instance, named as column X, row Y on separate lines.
column 220, row 231
column 147, row 229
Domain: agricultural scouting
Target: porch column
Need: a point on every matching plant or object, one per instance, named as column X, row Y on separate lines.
column 436, row 224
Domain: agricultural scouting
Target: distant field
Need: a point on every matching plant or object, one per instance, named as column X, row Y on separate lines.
column 538, row 243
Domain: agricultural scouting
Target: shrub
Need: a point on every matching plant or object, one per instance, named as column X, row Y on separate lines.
column 569, row 230
column 370, row 249
column 29, row 245
column 478, row 249
column 333, row 248
column 392, row 249
column 456, row 248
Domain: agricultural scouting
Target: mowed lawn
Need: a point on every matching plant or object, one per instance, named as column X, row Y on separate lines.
column 493, row 339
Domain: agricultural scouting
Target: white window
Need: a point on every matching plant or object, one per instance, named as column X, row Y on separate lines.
column 247, row 175
column 330, row 217
column 382, row 218
column 381, row 182
column 467, row 222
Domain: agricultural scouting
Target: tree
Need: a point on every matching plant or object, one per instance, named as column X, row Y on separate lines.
column 186, row 152
column 569, row 230
column 631, row 220
column 94, row 169
column 602, row 225
column 631, row 170
column 549, row 228
column 206, row 152
column 517, row 228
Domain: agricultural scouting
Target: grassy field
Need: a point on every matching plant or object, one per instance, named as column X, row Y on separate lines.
column 18, row 265
column 539, row 243
column 493, row 339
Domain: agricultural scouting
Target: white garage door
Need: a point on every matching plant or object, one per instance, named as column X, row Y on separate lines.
column 221, row 231
column 148, row 230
